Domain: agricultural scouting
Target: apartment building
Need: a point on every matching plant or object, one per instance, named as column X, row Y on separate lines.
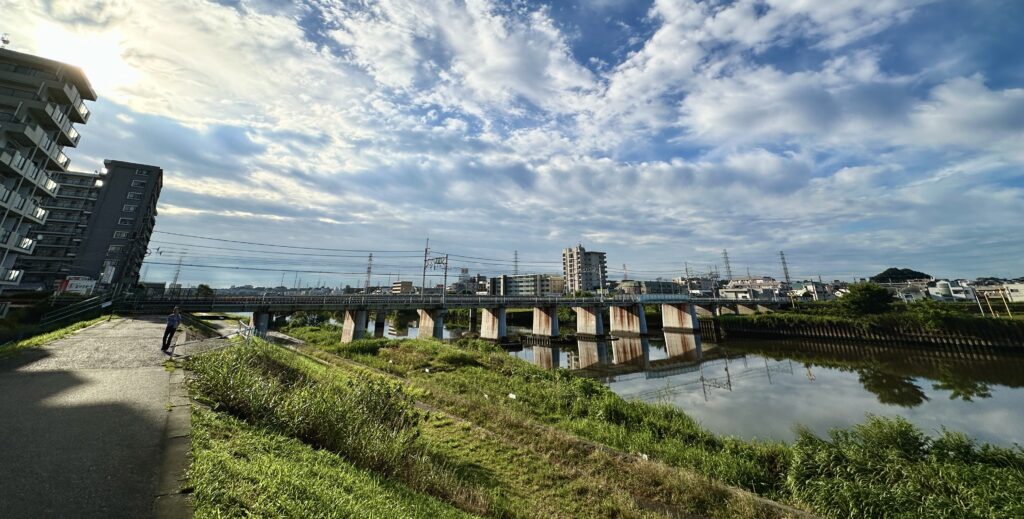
column 584, row 270
column 40, row 102
column 527, row 285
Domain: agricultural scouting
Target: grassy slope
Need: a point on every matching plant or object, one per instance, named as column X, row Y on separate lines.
column 46, row 338
column 531, row 472
column 239, row 470
column 964, row 478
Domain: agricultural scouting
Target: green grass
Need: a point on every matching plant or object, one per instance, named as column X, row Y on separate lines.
column 526, row 470
column 11, row 348
column 239, row 470
column 860, row 472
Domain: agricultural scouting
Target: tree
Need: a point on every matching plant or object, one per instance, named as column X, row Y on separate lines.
column 895, row 275
column 866, row 299
column 204, row 291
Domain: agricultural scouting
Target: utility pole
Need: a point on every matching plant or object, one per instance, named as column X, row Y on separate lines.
column 728, row 267
column 515, row 263
column 423, row 283
column 369, row 272
column 785, row 267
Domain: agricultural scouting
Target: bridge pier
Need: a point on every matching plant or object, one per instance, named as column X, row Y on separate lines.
column 472, row 319
column 680, row 317
column 353, row 327
column 431, row 323
column 546, row 356
column 493, row 324
column 628, row 320
column 725, row 310
column 704, row 312
column 589, row 320
column 628, row 350
column 280, row 319
column 379, row 323
column 685, row 345
column 745, row 309
column 545, row 321
column 764, row 309
column 261, row 323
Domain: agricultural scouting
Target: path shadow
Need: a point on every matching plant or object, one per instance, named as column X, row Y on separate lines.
column 68, row 450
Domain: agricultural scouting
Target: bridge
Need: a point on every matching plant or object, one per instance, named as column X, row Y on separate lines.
column 626, row 314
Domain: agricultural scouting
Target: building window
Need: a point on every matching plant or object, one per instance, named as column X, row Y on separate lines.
column 138, row 183
column 129, row 208
column 143, row 172
column 113, row 249
column 134, row 195
column 126, row 221
column 120, row 235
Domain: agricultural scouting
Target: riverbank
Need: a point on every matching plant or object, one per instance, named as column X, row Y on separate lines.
column 425, row 443
column 845, row 474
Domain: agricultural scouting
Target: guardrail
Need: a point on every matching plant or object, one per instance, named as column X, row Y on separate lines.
column 328, row 303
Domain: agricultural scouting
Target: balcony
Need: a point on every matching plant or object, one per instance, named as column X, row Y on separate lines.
column 35, row 213
column 31, row 133
column 9, row 277
column 67, row 135
column 81, row 113
column 21, row 243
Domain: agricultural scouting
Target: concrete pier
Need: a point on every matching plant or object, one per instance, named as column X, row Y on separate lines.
column 703, row 311
column 683, row 345
column 680, row 317
column 589, row 320
column 546, row 356
column 746, row 309
column 545, row 321
column 764, row 309
column 379, row 323
column 628, row 321
column 431, row 324
column 493, row 324
column 353, row 326
column 631, row 350
column 261, row 323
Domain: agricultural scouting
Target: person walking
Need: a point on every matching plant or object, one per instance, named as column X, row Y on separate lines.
column 173, row 321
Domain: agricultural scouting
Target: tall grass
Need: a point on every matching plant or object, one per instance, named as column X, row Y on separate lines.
column 888, row 467
column 367, row 420
column 885, row 467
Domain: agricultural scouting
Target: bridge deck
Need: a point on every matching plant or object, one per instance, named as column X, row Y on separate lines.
column 281, row 304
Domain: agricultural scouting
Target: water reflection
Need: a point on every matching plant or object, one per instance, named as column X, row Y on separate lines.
column 764, row 389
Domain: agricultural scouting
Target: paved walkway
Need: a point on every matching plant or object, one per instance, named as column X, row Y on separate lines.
column 93, row 425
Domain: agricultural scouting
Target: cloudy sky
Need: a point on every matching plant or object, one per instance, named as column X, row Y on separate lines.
column 853, row 135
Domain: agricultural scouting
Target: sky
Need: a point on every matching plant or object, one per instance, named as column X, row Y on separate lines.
column 854, row 135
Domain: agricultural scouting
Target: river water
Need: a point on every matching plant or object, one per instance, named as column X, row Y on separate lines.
column 764, row 389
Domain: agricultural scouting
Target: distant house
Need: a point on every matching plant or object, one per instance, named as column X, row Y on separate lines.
column 1014, row 292
column 754, row 287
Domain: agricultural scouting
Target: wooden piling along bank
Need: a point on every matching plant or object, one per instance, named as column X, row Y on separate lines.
column 999, row 334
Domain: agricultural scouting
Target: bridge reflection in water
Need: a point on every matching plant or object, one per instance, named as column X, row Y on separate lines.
column 764, row 388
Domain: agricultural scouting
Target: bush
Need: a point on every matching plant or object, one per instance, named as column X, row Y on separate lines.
column 889, row 467
column 866, row 299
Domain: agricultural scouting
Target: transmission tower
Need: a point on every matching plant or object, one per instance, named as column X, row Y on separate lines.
column 625, row 272
column 728, row 268
column 369, row 272
column 177, row 273
column 515, row 263
column 785, row 267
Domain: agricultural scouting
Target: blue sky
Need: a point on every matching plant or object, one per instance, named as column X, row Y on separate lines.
column 854, row 135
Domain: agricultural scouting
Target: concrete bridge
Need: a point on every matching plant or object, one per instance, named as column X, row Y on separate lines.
column 626, row 313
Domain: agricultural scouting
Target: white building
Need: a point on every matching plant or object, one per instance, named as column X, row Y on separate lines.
column 754, row 287
column 584, row 271
column 1014, row 292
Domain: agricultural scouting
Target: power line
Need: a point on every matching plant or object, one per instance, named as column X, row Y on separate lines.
column 278, row 246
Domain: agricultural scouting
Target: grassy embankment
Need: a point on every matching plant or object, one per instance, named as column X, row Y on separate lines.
column 882, row 466
column 11, row 348
column 365, row 424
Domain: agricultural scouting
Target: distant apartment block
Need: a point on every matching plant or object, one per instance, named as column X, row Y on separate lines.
column 584, row 271
column 40, row 101
column 401, row 287
column 118, row 232
column 61, row 236
column 99, row 227
column 527, row 285
column 754, row 287
column 637, row 287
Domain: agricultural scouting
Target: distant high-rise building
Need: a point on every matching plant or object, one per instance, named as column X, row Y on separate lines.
column 584, row 271
column 99, row 227
column 119, row 229
column 40, row 100
column 527, row 285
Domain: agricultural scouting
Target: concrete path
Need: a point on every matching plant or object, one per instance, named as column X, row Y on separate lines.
column 93, row 425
